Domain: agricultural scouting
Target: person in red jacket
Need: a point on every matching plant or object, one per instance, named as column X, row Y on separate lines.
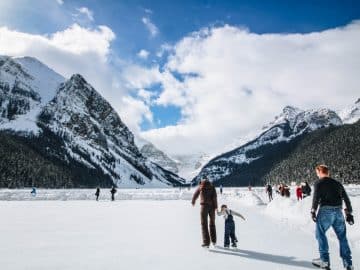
column 299, row 193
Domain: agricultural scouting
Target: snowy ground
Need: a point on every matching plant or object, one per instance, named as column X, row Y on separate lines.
column 157, row 229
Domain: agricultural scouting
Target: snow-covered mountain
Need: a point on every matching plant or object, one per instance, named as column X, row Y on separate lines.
column 287, row 126
column 90, row 130
column 190, row 165
column 26, row 85
column 159, row 157
column 351, row 114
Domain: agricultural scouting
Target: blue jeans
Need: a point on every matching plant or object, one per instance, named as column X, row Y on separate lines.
column 332, row 217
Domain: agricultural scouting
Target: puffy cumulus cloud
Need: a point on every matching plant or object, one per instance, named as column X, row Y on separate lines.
column 231, row 81
column 150, row 26
column 79, row 40
column 75, row 40
column 80, row 50
column 144, row 54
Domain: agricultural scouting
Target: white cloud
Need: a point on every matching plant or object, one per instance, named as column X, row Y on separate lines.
column 60, row 2
column 80, row 50
column 244, row 79
column 143, row 54
column 148, row 11
column 133, row 112
column 87, row 12
column 151, row 27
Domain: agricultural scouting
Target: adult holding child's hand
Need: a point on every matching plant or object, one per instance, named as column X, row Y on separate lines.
column 209, row 205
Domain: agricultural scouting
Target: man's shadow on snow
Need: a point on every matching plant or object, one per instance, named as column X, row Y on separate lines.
column 286, row 260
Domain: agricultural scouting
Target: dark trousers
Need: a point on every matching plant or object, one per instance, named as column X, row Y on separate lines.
column 229, row 231
column 205, row 212
column 113, row 196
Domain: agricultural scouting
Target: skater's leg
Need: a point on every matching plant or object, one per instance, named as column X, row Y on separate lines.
column 227, row 235
column 204, row 225
column 323, row 223
column 339, row 227
column 232, row 234
column 212, row 225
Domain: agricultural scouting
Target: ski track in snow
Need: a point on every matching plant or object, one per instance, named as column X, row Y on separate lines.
column 158, row 229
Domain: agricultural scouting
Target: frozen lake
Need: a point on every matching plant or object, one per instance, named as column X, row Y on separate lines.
column 157, row 229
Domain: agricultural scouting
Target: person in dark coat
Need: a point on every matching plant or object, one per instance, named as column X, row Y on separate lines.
column 209, row 205
column 113, row 191
column 97, row 193
column 306, row 189
column 330, row 194
column 269, row 192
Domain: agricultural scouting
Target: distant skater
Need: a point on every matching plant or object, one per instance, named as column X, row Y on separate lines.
column 269, row 192
column 97, row 193
column 221, row 189
column 33, row 192
column 306, row 189
column 229, row 225
column 209, row 204
column 113, row 191
column 329, row 194
column 299, row 194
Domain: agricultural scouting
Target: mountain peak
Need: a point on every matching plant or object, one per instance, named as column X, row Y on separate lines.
column 78, row 79
column 358, row 101
column 290, row 110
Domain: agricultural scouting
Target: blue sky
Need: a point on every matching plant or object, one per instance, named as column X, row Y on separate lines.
column 148, row 26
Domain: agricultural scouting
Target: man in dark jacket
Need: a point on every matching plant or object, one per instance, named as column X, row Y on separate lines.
column 209, row 205
column 329, row 194
column 113, row 191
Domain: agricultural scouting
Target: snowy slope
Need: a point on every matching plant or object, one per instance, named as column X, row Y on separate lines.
column 190, row 165
column 291, row 123
column 186, row 166
column 159, row 157
column 26, row 85
column 351, row 114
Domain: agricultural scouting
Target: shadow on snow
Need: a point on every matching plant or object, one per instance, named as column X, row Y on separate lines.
column 278, row 259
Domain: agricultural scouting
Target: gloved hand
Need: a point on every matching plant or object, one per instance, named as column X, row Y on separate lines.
column 313, row 216
column 349, row 217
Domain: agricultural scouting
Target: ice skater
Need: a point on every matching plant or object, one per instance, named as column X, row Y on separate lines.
column 269, row 192
column 97, row 193
column 299, row 194
column 33, row 192
column 306, row 189
column 221, row 189
column 229, row 225
column 113, row 191
column 209, row 204
column 329, row 194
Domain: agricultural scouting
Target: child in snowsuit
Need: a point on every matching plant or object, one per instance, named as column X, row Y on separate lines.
column 229, row 225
